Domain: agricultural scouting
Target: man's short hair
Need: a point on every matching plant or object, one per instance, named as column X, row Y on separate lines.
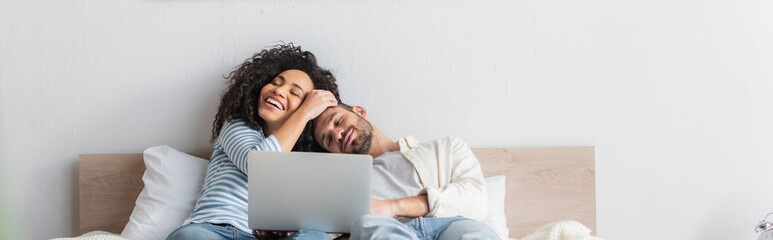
column 346, row 106
column 313, row 146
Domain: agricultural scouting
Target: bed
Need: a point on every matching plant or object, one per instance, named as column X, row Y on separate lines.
column 543, row 185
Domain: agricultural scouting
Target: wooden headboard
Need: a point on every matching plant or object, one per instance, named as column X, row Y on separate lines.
column 543, row 185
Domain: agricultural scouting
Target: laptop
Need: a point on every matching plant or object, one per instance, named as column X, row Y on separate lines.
column 289, row 191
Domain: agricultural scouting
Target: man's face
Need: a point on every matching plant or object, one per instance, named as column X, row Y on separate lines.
column 339, row 130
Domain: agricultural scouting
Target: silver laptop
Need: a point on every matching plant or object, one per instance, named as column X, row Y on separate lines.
column 289, row 191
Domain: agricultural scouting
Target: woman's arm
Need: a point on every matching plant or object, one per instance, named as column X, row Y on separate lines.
column 236, row 139
column 314, row 104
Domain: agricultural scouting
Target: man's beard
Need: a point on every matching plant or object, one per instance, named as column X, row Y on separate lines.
column 362, row 144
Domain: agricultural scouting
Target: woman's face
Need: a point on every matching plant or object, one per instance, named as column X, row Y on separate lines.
column 280, row 98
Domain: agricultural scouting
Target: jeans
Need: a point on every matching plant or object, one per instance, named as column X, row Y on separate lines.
column 228, row 232
column 383, row 227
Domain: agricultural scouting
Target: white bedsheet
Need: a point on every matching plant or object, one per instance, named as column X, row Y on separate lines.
column 95, row 235
column 562, row 230
column 586, row 238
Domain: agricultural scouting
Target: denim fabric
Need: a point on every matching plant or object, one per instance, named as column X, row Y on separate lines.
column 228, row 232
column 308, row 235
column 209, row 231
column 383, row 227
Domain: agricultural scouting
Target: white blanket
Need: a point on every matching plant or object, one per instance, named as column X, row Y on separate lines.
column 561, row 230
column 95, row 235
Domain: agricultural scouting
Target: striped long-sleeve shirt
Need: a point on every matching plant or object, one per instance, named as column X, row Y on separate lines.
column 223, row 198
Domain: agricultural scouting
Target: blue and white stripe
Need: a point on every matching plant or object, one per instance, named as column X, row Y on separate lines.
column 223, row 198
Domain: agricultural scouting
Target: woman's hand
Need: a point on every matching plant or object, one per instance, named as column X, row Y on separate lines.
column 315, row 103
column 269, row 235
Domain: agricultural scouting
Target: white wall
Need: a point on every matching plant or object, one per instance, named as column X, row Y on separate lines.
column 674, row 94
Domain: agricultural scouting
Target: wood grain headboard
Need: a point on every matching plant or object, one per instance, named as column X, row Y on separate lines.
column 543, row 185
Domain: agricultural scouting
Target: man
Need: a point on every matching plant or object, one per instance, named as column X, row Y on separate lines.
column 420, row 190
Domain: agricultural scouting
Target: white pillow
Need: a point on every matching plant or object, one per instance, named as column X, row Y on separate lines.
column 496, row 205
column 173, row 182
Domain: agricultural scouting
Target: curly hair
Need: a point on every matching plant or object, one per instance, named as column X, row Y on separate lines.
column 241, row 96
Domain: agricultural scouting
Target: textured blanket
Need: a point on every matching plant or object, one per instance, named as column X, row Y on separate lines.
column 562, row 230
column 96, row 235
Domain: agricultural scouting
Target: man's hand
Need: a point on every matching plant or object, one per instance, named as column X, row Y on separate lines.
column 406, row 207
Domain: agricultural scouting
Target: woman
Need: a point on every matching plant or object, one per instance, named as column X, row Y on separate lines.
column 269, row 101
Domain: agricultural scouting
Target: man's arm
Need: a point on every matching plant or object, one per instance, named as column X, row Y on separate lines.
column 465, row 195
column 406, row 207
